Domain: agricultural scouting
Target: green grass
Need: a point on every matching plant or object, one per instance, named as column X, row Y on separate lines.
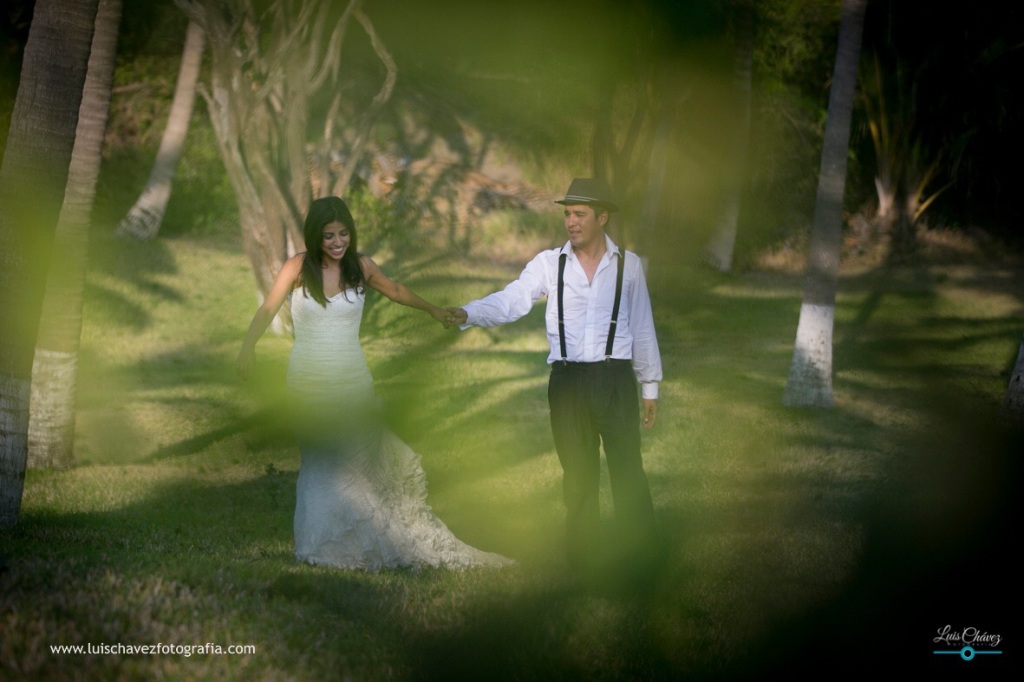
column 783, row 526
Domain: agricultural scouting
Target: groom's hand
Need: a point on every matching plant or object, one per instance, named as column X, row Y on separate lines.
column 650, row 412
column 456, row 316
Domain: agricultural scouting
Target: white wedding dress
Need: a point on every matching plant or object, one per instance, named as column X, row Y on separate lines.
column 361, row 498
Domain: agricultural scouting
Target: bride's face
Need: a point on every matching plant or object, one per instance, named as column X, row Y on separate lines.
column 336, row 240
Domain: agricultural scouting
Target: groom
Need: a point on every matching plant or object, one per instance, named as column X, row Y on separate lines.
column 601, row 334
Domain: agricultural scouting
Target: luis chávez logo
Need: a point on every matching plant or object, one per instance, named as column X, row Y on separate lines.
column 966, row 643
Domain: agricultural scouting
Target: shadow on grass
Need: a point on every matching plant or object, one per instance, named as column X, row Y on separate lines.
column 112, row 308
column 916, row 573
column 262, row 421
column 225, row 548
column 834, row 532
column 935, row 556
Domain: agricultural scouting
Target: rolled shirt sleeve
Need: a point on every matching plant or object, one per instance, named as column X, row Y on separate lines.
column 646, row 355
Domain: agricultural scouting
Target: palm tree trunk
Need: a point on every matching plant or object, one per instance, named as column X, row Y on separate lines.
column 143, row 220
column 33, row 177
column 54, row 370
column 810, row 374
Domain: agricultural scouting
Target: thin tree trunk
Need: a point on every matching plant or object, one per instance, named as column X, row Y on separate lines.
column 810, row 374
column 720, row 251
column 381, row 98
column 54, row 371
column 657, row 170
column 32, row 182
column 265, row 69
column 144, row 219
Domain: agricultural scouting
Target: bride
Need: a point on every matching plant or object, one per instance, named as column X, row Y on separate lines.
column 361, row 498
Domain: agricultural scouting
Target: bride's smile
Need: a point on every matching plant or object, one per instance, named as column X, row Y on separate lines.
column 336, row 240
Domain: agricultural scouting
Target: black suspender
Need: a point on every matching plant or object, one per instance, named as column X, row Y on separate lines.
column 621, row 266
column 561, row 314
column 615, row 309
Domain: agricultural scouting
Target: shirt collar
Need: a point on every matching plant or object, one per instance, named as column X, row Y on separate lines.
column 611, row 248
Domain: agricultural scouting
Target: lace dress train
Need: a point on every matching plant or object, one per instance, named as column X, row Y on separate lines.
column 361, row 497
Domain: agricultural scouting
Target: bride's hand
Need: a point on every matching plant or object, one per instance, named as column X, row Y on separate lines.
column 440, row 315
column 244, row 363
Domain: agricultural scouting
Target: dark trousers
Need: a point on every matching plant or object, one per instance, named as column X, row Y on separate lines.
column 594, row 404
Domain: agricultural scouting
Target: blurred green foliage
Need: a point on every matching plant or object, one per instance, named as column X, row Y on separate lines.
column 176, row 525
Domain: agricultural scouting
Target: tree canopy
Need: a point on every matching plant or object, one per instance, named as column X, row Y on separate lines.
column 544, row 79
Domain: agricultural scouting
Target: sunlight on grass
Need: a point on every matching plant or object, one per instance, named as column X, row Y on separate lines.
column 176, row 524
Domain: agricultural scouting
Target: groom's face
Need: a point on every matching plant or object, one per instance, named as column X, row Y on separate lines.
column 584, row 225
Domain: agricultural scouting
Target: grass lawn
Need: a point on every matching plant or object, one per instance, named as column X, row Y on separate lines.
column 795, row 537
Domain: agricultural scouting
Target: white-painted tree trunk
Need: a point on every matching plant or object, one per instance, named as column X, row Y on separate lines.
column 51, row 415
column 33, row 178
column 1013, row 401
column 144, row 219
column 52, row 409
column 810, row 375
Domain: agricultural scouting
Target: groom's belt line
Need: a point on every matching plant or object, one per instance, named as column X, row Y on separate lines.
column 599, row 363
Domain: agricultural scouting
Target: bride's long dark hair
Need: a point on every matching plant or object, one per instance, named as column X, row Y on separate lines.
column 323, row 212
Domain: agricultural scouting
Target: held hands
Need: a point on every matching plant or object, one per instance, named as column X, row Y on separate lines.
column 439, row 314
column 454, row 317
column 449, row 317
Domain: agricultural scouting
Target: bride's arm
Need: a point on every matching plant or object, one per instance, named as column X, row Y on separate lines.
column 399, row 293
column 266, row 313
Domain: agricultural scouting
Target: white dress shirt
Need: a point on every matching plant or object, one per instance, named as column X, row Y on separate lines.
column 587, row 310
